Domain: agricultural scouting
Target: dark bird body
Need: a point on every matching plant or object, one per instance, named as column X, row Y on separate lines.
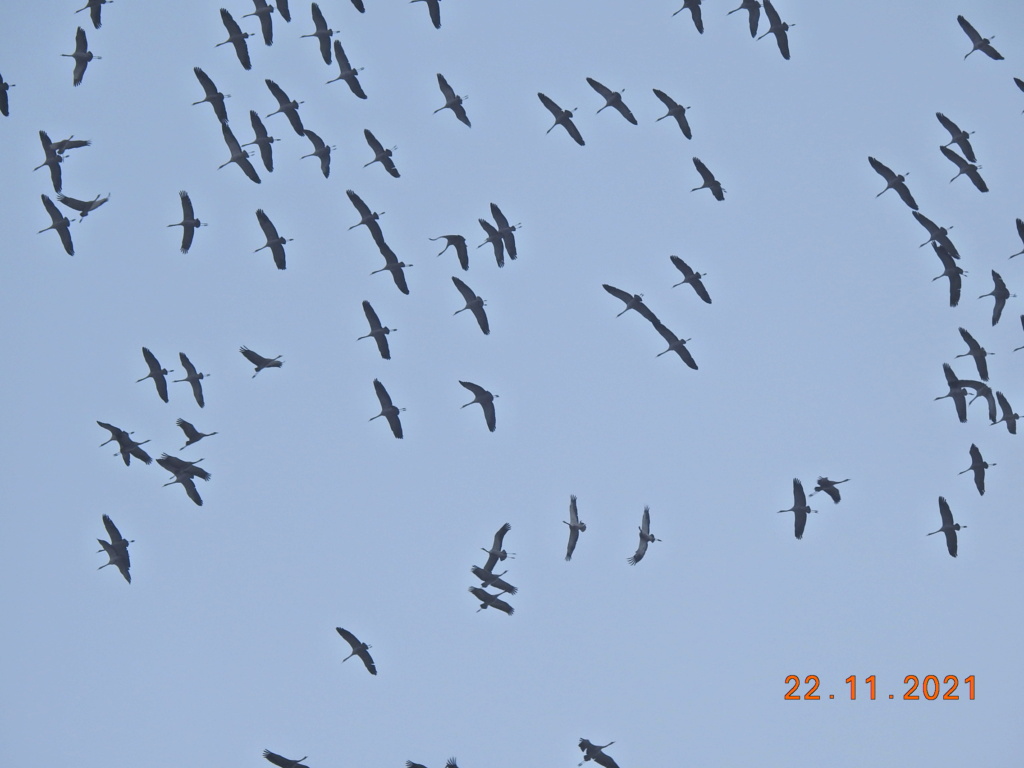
column 82, row 206
column 95, row 8
column 753, row 9
column 494, row 580
column 563, row 117
column 486, row 400
column 646, row 537
column 612, row 99
column 347, row 72
column 576, row 527
column 289, row 107
column 978, row 467
column 380, row 154
column 188, row 222
column 59, row 223
column 829, row 488
column 675, row 110
column 977, row 352
column 263, row 140
column 127, row 446
column 322, row 33
column 321, row 150
column 474, row 304
column 675, row 344
column 359, row 649
column 213, row 96
column 958, row 136
column 193, row 377
column 1000, row 293
column 936, row 234
column 274, row 241
column 158, row 374
column 594, row 752
column 799, row 509
column 192, row 435
column 184, row 473
column 497, row 551
column 237, row 39
column 692, row 278
column 116, row 549
column 494, row 238
column 1007, row 416
column 694, row 6
column 388, row 409
column 263, row 11
column 777, row 27
column 5, row 107
column 52, row 159
column 710, row 182
column 283, row 762
column 259, row 361
column 978, row 43
column 956, row 392
column 896, row 181
column 950, row 269
column 949, row 528
column 964, row 168
column 458, row 242
column 632, row 301
column 434, row 8
column 379, row 333
column 487, row 600
column 82, row 57
column 393, row 265
column 239, row 156
column 452, row 100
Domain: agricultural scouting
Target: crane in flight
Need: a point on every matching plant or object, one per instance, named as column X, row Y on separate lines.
column 156, row 373
column 799, row 509
column 949, row 528
column 978, row 467
column 388, row 409
column 189, row 223
column 978, row 43
column 576, row 527
column 828, row 487
column 359, row 649
column 563, row 117
column 116, row 549
column 646, row 537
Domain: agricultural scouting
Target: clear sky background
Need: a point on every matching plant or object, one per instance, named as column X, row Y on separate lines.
column 821, row 354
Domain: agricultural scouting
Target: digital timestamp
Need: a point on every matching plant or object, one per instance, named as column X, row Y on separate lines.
column 927, row 687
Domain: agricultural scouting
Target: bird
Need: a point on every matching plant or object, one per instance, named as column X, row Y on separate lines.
column 576, row 527
column 981, row 389
column 1008, row 417
column 459, row 243
column 274, row 241
column 82, row 206
column 380, row 154
column 259, row 361
column 367, row 218
column 1000, row 293
column 965, row 168
column 388, row 409
column 263, row 140
column 646, row 537
column 434, row 7
column 506, row 230
column 69, row 143
column 978, row 352
column 393, row 265
column 283, row 762
column 52, row 159
column 676, row 111
column 362, row 9
column 612, row 99
column 694, row 6
column 593, row 752
column 452, row 100
column 474, row 304
column 632, row 301
column 495, row 239
column 691, row 277
column 828, row 487
column 563, row 117
column 127, row 446
column 936, row 234
column 957, row 136
column 213, row 96
column 82, row 56
column 956, row 393
column 359, row 649
column 487, row 600
column 893, row 181
column 237, row 39
column 978, row 467
column 289, row 107
column 184, row 473
column 486, row 400
column 978, row 43
column 322, row 33
column 116, row 549
column 799, row 509
column 5, row 107
column 952, row 270
column 192, row 435
column 95, row 8
column 347, row 72
column 710, row 182
column 489, row 579
column 777, row 27
column 188, row 222
column 675, row 344
column 320, row 149
column 282, row 8
column 263, row 11
column 193, row 377
column 1020, row 234
column 239, row 156
column 378, row 332
column 158, row 374
column 949, row 528
column 753, row 8
column 497, row 552
column 60, row 223
column 1022, row 326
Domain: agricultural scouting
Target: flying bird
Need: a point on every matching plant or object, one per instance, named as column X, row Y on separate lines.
column 694, row 6
column 1000, row 293
column 829, row 488
column 1008, row 417
column 593, row 752
column 283, row 762
column 978, row 43
column 82, row 206
column 320, row 149
column 753, row 8
column 893, row 181
column 563, row 117
column 116, row 549
column 473, row 303
column 367, row 218
column 632, row 301
column 495, row 239
column 612, row 99
column 237, row 39
column 486, row 400
column 359, row 649
column 799, row 509
column 188, row 222
column 452, row 101
column 675, row 344
column 263, row 140
column 949, row 528
column 362, row 9
column 710, row 182
column 69, row 143
column 213, row 96
column 505, row 231
column 192, row 435
column 274, row 241
column 957, row 136
column 380, row 154
column 82, row 56
column 60, row 223
column 487, row 600
column 965, row 169
column 461, row 250
column 777, row 27
column 289, row 107
column 158, row 374
column 259, row 361
column 497, row 552
column 184, row 473
column 950, row 269
column 1020, row 234
column 378, row 332
column 489, row 579
column 691, row 277
column 646, row 537
column 263, row 11
column 576, row 527
column 347, row 72
column 282, row 8
column 388, row 409
column 193, row 377
column 239, row 156
column 978, row 352
column 978, row 467
column 393, row 265
column 434, row 7
column 52, row 159
column 675, row 110
column 956, row 393
column 5, row 107
column 322, row 33
column 981, row 389
column 95, row 8
column 127, row 446
column 936, row 234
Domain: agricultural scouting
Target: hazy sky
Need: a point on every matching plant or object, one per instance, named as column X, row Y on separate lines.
column 820, row 355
